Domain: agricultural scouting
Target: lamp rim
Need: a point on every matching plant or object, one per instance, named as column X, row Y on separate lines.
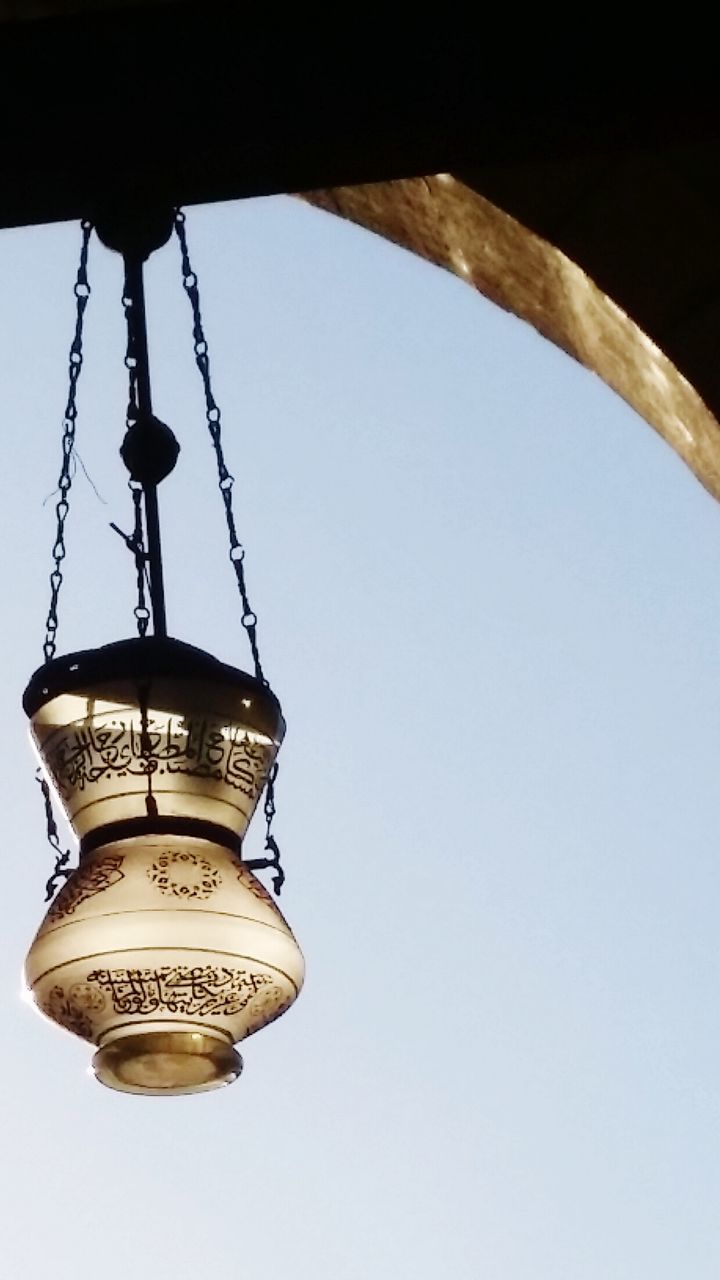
column 144, row 657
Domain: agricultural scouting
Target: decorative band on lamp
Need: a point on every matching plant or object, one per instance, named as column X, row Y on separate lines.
column 162, row 948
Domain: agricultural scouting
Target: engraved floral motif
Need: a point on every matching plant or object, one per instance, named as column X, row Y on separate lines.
column 100, row 874
column 183, row 874
column 74, row 1010
column 258, row 890
column 198, row 991
column 118, row 747
column 266, row 1006
column 86, row 996
column 251, row 882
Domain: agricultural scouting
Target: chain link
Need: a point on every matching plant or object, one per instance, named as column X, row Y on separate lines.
column 137, row 546
column 82, row 295
column 137, row 542
column 226, row 481
column 130, row 362
column 149, row 759
column 237, row 552
column 62, row 856
column 271, row 844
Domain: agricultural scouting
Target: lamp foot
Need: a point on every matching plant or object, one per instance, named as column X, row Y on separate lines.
column 166, row 1063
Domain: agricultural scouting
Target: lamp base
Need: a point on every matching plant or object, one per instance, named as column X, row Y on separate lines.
column 166, row 1063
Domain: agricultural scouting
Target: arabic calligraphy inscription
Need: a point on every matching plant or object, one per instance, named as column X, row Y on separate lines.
column 197, row 992
column 118, row 747
column 100, row 874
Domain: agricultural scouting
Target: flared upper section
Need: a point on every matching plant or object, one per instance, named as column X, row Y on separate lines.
column 153, row 729
column 152, row 657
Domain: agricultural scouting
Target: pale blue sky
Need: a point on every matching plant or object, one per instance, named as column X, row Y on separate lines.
column 488, row 600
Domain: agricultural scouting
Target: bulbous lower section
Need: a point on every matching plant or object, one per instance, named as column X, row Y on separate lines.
column 164, row 952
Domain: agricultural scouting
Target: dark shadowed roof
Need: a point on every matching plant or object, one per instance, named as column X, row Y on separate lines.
column 591, row 214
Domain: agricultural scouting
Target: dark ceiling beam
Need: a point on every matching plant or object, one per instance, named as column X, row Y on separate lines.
column 188, row 103
column 181, row 103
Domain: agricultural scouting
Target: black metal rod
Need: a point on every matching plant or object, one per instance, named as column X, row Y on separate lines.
column 135, row 290
column 155, row 568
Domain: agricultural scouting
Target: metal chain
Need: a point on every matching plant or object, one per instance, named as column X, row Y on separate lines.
column 271, row 844
column 82, row 295
column 130, row 362
column 212, row 412
column 137, row 546
column 62, row 856
column 136, row 543
column 237, row 552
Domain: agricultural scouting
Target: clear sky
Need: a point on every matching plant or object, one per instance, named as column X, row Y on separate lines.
column 488, row 600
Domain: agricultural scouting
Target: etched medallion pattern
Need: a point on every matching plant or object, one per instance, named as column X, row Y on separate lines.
column 100, row 874
column 74, row 1010
column 118, row 747
column 198, row 991
column 182, row 874
column 266, row 1006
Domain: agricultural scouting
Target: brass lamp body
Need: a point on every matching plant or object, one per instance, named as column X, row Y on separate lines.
column 162, row 948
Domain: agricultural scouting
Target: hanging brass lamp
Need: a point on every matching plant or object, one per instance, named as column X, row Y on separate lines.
column 162, row 948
